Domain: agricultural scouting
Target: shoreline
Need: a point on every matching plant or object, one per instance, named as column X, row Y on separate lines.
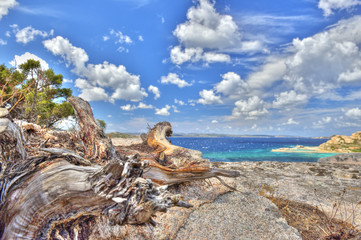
column 303, row 149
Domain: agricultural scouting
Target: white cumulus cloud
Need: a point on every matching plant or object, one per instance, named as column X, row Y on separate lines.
column 29, row 34
column 253, row 108
column 155, row 91
column 18, row 60
column 314, row 66
column 329, row 5
column 116, row 83
column 5, row 5
column 90, row 92
column 180, row 102
column 354, row 113
column 207, row 36
column 163, row 111
column 60, row 46
column 173, row 78
column 209, row 97
column 286, row 100
column 231, row 85
column 141, row 105
column 290, row 121
column 206, row 28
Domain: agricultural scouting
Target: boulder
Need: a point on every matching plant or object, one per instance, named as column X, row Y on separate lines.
column 345, row 158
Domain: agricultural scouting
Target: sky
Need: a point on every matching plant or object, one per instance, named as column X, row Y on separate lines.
column 226, row 66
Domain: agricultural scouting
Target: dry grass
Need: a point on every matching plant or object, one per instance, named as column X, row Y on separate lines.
column 312, row 222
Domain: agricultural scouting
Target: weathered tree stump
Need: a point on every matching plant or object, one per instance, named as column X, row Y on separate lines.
column 58, row 185
column 97, row 146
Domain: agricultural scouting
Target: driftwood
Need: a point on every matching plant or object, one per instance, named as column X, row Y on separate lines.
column 170, row 164
column 57, row 185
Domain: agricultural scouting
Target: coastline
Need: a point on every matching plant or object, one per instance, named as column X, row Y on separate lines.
column 303, row 149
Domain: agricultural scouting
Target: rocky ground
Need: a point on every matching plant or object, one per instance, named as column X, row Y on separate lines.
column 274, row 200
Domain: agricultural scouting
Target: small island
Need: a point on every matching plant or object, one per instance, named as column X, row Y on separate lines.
column 337, row 144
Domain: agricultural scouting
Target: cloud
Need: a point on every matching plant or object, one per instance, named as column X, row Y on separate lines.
column 231, row 85
column 90, row 92
column 253, row 108
column 120, row 37
column 116, row 83
column 65, row 80
column 66, row 124
column 41, row 11
column 290, row 121
column 107, row 75
column 261, row 29
column 28, row 34
column 60, row 46
column 127, row 107
column 180, row 102
column 354, row 113
column 207, row 36
column 163, row 111
column 329, row 5
column 140, row 38
column 3, row 42
column 141, row 105
column 209, row 97
column 214, row 121
column 155, row 91
column 18, row 60
column 173, row 78
column 326, row 60
column 321, row 123
column 206, row 28
column 5, row 5
column 287, row 100
column 175, row 109
column 179, row 56
column 273, row 70
column 314, row 66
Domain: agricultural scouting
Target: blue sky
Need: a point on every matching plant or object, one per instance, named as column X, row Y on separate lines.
column 227, row 66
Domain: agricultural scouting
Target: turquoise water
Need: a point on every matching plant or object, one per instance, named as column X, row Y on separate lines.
column 233, row 149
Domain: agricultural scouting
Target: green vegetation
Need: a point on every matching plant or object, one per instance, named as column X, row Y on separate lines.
column 102, row 124
column 34, row 94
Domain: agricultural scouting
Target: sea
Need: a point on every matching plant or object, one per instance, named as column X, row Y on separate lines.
column 237, row 149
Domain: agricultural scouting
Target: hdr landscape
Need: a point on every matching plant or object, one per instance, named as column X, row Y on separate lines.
column 226, row 66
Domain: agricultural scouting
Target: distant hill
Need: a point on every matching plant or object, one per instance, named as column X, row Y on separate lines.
column 207, row 135
column 121, row 135
column 343, row 143
column 200, row 135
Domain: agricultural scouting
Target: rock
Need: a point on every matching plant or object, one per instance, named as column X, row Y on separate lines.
column 316, row 184
column 236, row 215
column 3, row 112
column 343, row 144
column 345, row 158
column 220, row 214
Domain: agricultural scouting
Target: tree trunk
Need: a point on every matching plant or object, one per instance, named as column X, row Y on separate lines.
column 61, row 185
column 97, row 146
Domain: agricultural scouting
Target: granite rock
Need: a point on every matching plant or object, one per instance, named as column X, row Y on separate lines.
column 237, row 215
column 345, row 158
column 316, row 184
